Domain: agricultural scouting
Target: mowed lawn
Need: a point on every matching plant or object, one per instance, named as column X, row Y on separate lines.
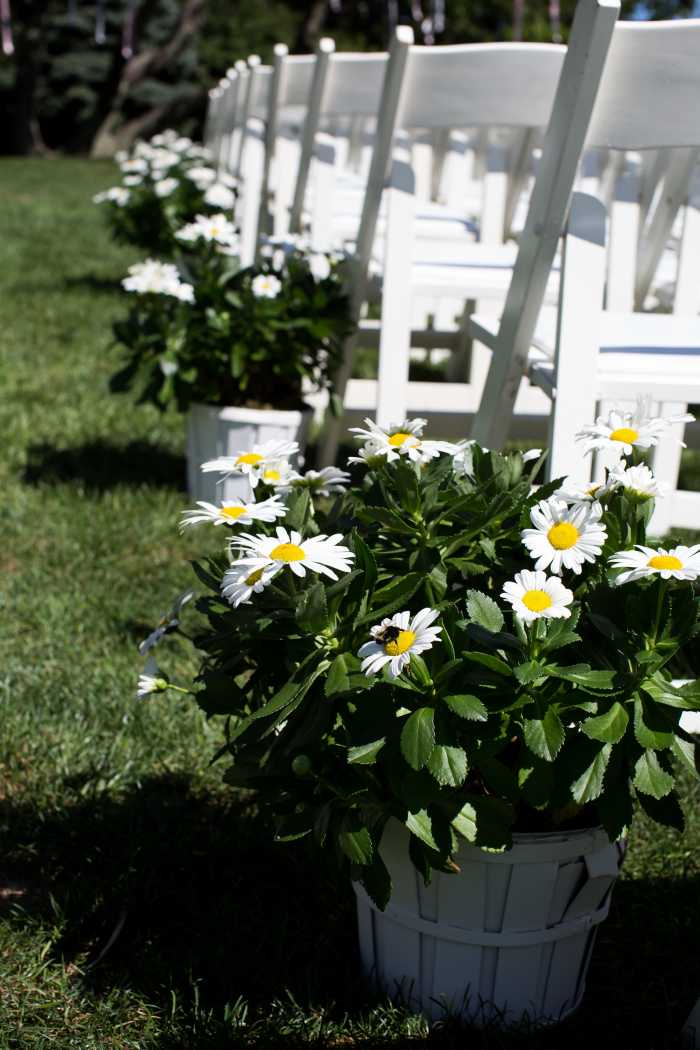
column 143, row 905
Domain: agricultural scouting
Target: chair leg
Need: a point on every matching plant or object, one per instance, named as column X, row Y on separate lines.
column 667, row 465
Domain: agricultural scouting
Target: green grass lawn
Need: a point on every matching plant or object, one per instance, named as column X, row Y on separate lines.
column 141, row 904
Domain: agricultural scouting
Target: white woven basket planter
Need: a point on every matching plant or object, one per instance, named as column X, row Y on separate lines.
column 507, row 940
column 214, row 432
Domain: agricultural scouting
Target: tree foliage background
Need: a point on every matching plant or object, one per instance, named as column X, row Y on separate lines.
column 62, row 90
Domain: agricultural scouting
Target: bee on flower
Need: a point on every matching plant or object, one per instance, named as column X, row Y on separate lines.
column 564, row 537
column 234, row 512
column 396, row 639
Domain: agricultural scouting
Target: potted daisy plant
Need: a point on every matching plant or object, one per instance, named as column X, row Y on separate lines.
column 474, row 683
column 237, row 349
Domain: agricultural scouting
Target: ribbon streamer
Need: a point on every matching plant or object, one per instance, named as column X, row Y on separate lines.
column 100, row 22
column 128, row 30
column 8, row 47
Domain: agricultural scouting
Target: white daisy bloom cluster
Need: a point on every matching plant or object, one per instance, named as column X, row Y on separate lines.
column 622, row 432
column 279, row 249
column 114, row 195
column 165, row 187
column 396, row 639
column 564, row 536
column 266, row 286
column 268, row 456
column 157, row 278
column 213, row 229
column 533, row 595
column 234, row 512
column 678, row 563
column 260, row 558
column 219, row 196
column 397, row 440
column 202, row 176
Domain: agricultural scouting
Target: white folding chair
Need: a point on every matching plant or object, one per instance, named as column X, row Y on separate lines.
column 587, row 355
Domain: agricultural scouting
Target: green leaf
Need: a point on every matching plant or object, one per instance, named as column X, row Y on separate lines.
column 653, row 727
column 467, row 706
column 581, row 674
column 529, row 672
column 366, row 754
column 465, row 823
column 420, row 825
column 665, row 810
column 357, row 845
column 393, row 596
column 544, row 736
column 484, row 611
column 493, row 663
column 609, row 727
column 337, row 680
column 448, row 765
column 688, row 755
column 650, row 778
column 311, row 611
column 418, row 737
column 377, row 881
column 590, row 784
column 365, row 560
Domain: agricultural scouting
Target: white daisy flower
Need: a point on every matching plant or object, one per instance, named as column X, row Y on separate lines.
column 369, row 456
column 157, row 278
column 219, row 196
column 278, row 474
column 322, row 554
column 533, row 595
column 201, row 176
column 573, row 491
column 563, row 536
column 401, row 440
column 151, row 680
column 115, row 195
column 164, row 138
column 236, row 512
column 639, row 481
column 463, row 459
column 164, row 187
column 396, row 639
column 319, row 265
column 324, row 482
column 167, row 623
column 162, row 159
column 531, row 455
column 132, row 180
column 181, row 144
column 134, row 166
column 679, row 563
column 168, row 368
column 240, row 582
column 266, row 286
column 254, row 461
column 216, row 229
column 120, row 156
column 622, row 432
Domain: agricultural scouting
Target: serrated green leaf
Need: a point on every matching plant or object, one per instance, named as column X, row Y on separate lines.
column 448, row 765
column 647, row 720
column 357, row 845
column 418, row 737
column 467, row 706
column 337, row 680
column 465, row 823
column 420, row 825
column 581, row 674
column 688, row 755
column 544, row 736
column 650, row 778
column 529, row 672
column 608, row 727
column 484, row 611
column 311, row 611
column 377, row 881
column 589, row 785
column 665, row 810
column 366, row 754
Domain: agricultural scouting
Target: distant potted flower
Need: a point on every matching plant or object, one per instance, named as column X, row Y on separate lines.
column 459, row 685
column 165, row 183
column 241, row 355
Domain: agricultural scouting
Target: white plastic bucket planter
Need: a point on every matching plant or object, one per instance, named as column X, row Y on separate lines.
column 508, row 940
column 214, row 432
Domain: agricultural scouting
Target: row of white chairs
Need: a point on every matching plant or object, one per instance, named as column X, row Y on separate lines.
column 422, row 161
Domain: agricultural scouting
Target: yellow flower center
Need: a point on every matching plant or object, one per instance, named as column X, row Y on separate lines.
column 625, row 434
column 536, row 601
column 272, row 475
column 251, row 458
column 253, row 578
column 287, row 552
column 399, row 437
column 214, row 231
column 232, row 512
column 399, row 645
column 665, row 561
column 592, row 489
column 563, row 535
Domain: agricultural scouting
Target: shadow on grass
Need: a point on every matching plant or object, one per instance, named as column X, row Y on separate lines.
column 100, row 465
column 90, row 282
column 184, row 898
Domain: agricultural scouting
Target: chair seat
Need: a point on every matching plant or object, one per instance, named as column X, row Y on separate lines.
column 660, row 352
column 469, row 271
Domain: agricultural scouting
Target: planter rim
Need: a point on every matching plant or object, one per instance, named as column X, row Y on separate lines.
column 240, row 414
